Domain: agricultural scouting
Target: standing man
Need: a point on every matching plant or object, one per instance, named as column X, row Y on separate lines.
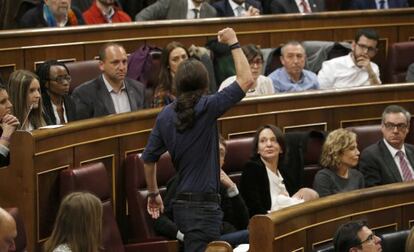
column 292, row 77
column 390, row 160
column 105, row 11
column 8, row 125
column 177, row 9
column 112, row 92
column 8, row 231
column 238, row 8
column 356, row 68
column 187, row 129
column 355, row 236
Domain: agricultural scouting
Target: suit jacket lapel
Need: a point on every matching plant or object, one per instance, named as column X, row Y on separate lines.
column 390, row 164
column 131, row 96
column 410, row 156
column 105, row 96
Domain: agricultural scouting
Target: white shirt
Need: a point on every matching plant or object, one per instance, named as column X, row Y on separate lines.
column 264, row 86
column 379, row 5
column 341, row 72
column 234, row 7
column 393, row 152
column 57, row 115
column 120, row 99
column 300, row 6
column 190, row 10
column 278, row 193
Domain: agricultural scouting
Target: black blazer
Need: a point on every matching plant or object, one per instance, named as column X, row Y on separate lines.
column 370, row 4
column 378, row 166
column 289, row 6
column 70, row 108
column 224, row 9
column 254, row 186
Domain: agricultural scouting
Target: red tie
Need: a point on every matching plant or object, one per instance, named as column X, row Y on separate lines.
column 407, row 176
column 305, row 7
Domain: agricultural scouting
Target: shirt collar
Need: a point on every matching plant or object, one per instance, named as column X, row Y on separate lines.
column 393, row 150
column 349, row 62
column 191, row 5
column 235, row 5
column 302, row 77
column 109, row 87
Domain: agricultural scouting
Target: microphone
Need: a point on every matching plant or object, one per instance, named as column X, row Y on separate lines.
column 27, row 116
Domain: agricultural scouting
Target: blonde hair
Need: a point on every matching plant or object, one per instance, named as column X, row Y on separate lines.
column 78, row 224
column 335, row 144
column 18, row 89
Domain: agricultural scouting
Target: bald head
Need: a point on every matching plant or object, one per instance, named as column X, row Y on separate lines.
column 7, row 231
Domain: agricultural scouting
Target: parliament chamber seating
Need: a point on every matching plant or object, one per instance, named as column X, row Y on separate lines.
column 366, row 135
column 82, row 71
column 400, row 56
column 394, row 241
column 20, row 240
column 94, row 179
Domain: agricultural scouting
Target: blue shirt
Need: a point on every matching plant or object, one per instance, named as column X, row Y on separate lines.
column 194, row 152
column 283, row 83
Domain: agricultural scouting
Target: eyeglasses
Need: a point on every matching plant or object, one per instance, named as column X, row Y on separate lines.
column 370, row 238
column 392, row 126
column 369, row 49
column 62, row 78
column 256, row 62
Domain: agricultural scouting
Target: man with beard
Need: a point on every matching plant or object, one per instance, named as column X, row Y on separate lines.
column 292, row 77
column 238, row 8
column 177, row 9
column 105, row 11
column 112, row 92
column 52, row 13
column 356, row 68
column 390, row 160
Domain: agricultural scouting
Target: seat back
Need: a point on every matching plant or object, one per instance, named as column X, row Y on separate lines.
column 400, row 56
column 394, row 241
column 238, row 152
column 366, row 135
column 136, row 189
column 82, row 71
column 20, row 241
column 93, row 178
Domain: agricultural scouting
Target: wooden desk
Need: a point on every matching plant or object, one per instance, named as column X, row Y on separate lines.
column 31, row 181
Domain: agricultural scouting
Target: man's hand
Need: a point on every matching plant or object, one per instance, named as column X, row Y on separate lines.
column 227, row 36
column 363, row 62
column 9, row 124
column 252, row 12
column 155, row 206
column 226, row 180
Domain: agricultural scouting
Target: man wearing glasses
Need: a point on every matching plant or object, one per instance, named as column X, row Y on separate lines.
column 356, row 236
column 356, row 68
column 390, row 160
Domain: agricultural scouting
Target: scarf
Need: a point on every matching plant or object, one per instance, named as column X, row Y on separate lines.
column 51, row 21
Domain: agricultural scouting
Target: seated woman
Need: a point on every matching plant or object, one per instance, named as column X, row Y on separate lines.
column 54, row 81
column 172, row 55
column 78, row 225
column 24, row 92
column 339, row 155
column 262, row 84
column 262, row 184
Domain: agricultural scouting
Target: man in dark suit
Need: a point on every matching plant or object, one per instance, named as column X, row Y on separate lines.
column 8, row 124
column 377, row 4
column 112, row 92
column 176, row 9
column 390, row 160
column 301, row 6
column 237, row 8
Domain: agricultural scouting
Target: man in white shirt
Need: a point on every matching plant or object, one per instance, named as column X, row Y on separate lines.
column 354, row 69
column 390, row 160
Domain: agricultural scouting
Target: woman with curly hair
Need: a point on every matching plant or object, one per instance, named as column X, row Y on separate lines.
column 78, row 225
column 339, row 155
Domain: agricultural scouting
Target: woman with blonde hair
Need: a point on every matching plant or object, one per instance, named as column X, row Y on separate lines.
column 78, row 225
column 24, row 91
column 339, row 155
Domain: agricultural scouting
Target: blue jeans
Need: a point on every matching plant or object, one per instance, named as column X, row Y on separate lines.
column 200, row 222
column 236, row 238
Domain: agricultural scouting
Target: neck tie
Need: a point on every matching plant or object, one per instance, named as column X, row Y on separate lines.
column 404, row 167
column 239, row 10
column 196, row 12
column 382, row 4
column 305, row 6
